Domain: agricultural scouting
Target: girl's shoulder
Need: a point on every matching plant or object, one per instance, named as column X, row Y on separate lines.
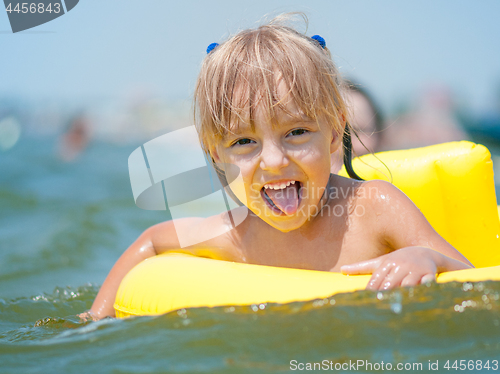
column 378, row 192
column 351, row 189
column 374, row 199
column 373, row 191
column 388, row 211
column 380, row 196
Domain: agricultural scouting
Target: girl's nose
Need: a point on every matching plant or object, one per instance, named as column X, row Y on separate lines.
column 273, row 157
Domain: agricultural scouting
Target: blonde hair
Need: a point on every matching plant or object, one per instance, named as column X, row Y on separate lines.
column 243, row 73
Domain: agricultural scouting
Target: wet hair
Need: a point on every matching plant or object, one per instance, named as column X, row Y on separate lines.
column 244, row 72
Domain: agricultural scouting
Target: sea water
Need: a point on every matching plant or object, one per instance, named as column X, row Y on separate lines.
column 62, row 227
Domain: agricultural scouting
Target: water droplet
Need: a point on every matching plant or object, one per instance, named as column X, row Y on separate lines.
column 317, row 303
column 182, row 313
column 467, row 286
column 396, row 308
column 396, row 302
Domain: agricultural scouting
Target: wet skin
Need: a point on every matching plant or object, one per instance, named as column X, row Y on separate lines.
column 362, row 227
column 295, row 151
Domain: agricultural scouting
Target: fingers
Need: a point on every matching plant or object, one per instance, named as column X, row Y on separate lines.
column 380, row 278
column 84, row 316
column 364, row 267
column 383, row 276
column 391, row 275
column 411, row 280
column 415, row 279
column 427, row 278
column 87, row 316
column 396, row 277
column 393, row 270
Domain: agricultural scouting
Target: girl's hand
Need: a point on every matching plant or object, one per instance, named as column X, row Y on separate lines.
column 405, row 267
column 87, row 316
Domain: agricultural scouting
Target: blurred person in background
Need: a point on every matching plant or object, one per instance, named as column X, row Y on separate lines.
column 366, row 118
column 75, row 139
column 432, row 121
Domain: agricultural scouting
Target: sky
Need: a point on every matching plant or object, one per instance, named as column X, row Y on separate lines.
column 110, row 49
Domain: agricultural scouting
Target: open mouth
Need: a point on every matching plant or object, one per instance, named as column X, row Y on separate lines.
column 284, row 199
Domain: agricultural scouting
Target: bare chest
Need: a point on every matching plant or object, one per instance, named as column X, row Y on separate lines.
column 325, row 248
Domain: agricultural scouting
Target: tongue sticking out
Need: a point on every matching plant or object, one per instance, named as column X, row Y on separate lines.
column 286, row 199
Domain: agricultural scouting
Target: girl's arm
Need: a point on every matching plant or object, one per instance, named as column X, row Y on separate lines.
column 417, row 251
column 155, row 240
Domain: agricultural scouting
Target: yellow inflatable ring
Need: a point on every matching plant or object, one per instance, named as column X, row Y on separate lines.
column 451, row 183
column 176, row 280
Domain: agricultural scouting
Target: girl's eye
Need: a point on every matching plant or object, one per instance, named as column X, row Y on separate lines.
column 297, row 132
column 243, row 141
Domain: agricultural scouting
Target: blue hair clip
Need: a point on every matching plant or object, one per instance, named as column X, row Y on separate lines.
column 211, row 47
column 320, row 40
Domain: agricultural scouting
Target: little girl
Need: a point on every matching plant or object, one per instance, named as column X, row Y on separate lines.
column 270, row 102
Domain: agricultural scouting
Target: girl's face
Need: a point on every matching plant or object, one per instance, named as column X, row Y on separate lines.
column 284, row 169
